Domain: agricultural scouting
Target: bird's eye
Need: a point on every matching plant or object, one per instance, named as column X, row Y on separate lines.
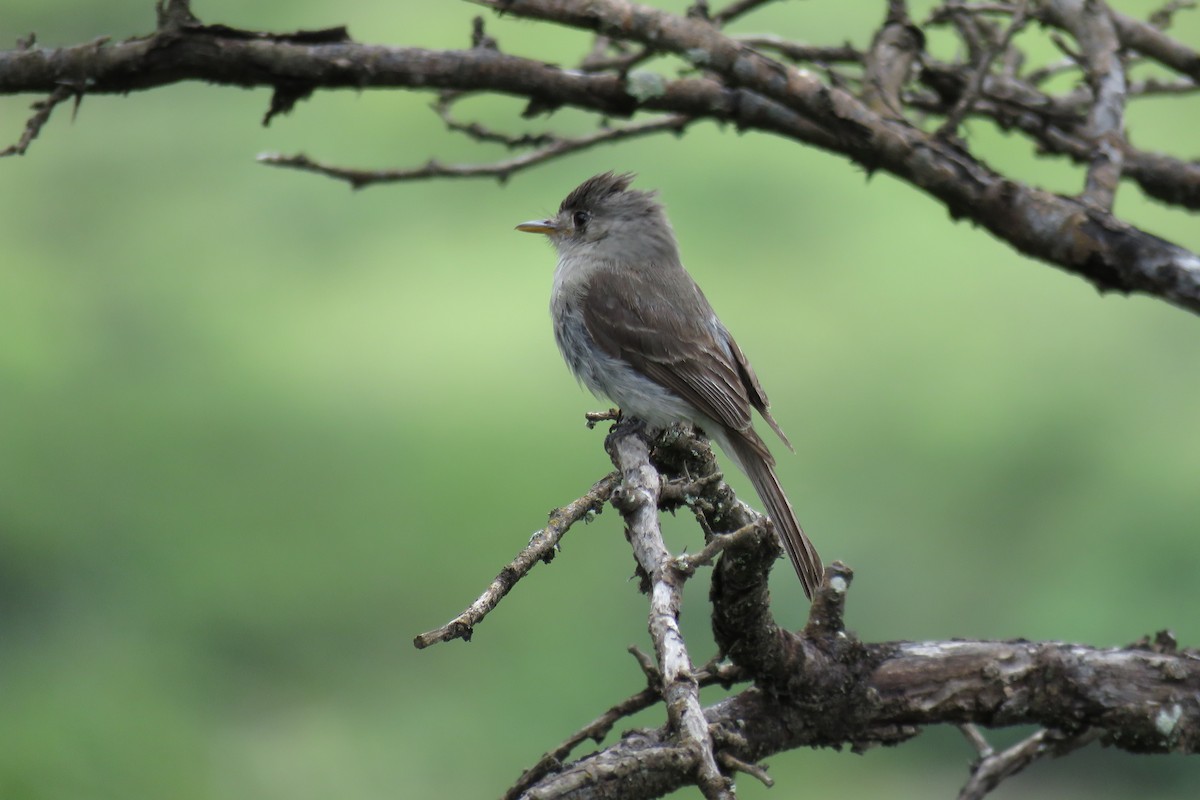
column 580, row 218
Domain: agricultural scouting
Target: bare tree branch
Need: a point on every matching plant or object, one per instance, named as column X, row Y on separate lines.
column 1091, row 23
column 736, row 9
column 718, row 544
column 740, row 85
column 1066, row 232
column 42, row 111
column 637, row 498
column 1164, row 17
column 981, row 70
column 1057, row 125
column 868, row 694
column 993, row 768
column 796, row 51
column 597, row 729
column 502, row 170
column 1154, row 43
column 894, row 50
column 821, row 686
column 541, row 547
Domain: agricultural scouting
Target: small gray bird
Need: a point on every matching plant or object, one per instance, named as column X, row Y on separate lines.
column 635, row 328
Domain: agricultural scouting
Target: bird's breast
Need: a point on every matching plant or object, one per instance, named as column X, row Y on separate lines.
column 607, row 375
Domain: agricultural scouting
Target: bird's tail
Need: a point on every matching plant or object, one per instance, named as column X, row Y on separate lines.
column 755, row 460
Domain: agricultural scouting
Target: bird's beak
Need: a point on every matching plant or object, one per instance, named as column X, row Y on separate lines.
column 538, row 226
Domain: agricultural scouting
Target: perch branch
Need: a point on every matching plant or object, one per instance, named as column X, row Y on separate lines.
column 637, row 498
column 822, row 687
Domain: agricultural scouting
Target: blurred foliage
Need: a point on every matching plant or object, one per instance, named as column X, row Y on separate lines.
column 259, row 430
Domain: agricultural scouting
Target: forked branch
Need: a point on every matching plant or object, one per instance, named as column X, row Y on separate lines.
column 824, row 687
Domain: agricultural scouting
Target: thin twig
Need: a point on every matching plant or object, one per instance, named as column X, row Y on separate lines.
column 993, row 768
column 964, row 18
column 599, row 60
column 482, row 133
column 499, row 169
column 541, row 547
column 1164, row 17
column 718, row 544
column 684, row 491
column 1150, row 40
column 1052, row 70
column 942, row 14
column 982, row 746
column 975, row 85
column 1134, row 34
column 1151, row 87
column 480, row 37
column 33, row 126
column 649, row 668
column 712, row 674
column 595, row 730
column 1170, row 179
column 1092, row 25
column 735, row 764
column 736, row 10
column 798, row 52
column 889, row 61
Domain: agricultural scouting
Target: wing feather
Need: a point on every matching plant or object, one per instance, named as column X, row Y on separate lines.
column 685, row 350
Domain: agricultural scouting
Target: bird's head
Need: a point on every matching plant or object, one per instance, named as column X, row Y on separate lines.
column 605, row 219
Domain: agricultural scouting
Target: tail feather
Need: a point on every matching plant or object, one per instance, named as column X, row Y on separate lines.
column 748, row 450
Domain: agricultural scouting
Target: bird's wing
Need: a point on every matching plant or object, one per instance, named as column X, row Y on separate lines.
column 758, row 396
column 685, row 350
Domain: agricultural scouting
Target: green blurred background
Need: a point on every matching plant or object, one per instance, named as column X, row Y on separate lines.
column 258, row 431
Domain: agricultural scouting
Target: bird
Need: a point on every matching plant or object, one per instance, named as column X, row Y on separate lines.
column 635, row 328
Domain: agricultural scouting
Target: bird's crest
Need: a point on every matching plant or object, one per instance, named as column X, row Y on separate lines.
column 596, row 189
